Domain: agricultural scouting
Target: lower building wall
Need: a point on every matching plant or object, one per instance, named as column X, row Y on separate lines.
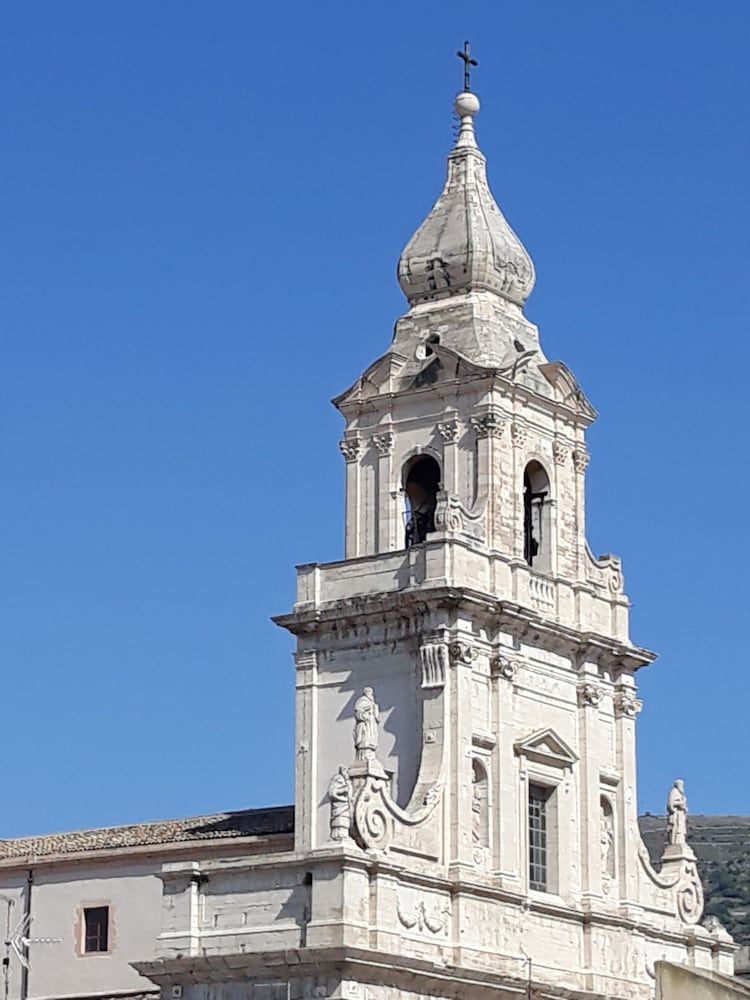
column 675, row 982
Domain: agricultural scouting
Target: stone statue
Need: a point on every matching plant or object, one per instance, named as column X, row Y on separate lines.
column 606, row 839
column 367, row 717
column 340, row 797
column 677, row 813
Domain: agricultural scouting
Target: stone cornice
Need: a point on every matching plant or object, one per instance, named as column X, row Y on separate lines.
column 506, row 615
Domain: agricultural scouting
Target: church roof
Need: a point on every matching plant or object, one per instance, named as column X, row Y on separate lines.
column 465, row 244
column 219, row 826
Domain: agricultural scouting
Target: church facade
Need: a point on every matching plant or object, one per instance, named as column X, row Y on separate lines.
column 465, row 816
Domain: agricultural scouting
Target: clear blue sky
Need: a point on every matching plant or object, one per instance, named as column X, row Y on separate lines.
column 202, row 206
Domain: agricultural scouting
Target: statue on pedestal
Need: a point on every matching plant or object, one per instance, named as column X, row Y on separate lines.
column 340, row 797
column 677, row 813
column 366, row 719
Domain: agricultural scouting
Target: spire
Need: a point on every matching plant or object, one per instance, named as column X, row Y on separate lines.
column 465, row 244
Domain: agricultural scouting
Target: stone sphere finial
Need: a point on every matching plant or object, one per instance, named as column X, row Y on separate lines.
column 467, row 104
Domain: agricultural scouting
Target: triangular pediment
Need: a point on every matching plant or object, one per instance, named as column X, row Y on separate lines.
column 567, row 390
column 546, row 747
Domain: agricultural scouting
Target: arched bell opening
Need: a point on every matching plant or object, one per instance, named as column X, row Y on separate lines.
column 537, row 528
column 421, row 481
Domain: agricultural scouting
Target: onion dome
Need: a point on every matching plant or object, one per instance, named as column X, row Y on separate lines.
column 465, row 244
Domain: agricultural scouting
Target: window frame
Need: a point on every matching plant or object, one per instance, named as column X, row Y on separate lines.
column 84, row 938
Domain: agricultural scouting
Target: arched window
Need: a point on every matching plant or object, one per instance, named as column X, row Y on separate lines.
column 536, row 518
column 480, row 813
column 421, row 485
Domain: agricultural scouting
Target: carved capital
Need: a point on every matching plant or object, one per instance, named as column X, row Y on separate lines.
column 589, row 694
column 503, row 666
column 448, row 430
column 581, row 459
column 559, row 452
column 489, row 424
column 518, row 434
column 351, row 448
column 462, row 652
column 627, row 704
column 384, row 443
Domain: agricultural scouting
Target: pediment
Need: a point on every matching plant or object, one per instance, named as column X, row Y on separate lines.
column 546, row 747
column 378, row 378
column 567, row 390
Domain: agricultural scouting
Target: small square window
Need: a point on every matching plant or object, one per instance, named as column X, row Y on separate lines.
column 95, row 929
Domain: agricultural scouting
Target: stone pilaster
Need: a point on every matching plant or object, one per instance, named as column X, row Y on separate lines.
column 351, row 449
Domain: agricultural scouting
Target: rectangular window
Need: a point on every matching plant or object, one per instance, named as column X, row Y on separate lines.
column 95, row 929
column 538, row 847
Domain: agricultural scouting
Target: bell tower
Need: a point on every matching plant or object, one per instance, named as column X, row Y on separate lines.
column 466, row 683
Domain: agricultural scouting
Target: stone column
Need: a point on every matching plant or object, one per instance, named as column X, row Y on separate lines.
column 627, row 706
column 448, row 431
column 504, row 667
column 306, row 777
column 589, row 697
column 518, row 437
column 385, row 514
column 461, row 851
column 580, row 464
column 351, row 448
column 488, row 423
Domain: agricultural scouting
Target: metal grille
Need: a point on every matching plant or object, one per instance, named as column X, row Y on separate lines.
column 538, row 837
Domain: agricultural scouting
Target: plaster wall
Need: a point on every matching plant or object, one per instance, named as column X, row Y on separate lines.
column 133, row 893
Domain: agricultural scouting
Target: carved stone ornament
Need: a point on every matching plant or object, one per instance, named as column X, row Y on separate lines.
column 581, row 459
column 340, row 794
column 589, row 694
column 448, row 430
column 434, row 919
column 518, row 434
column 690, row 895
column 677, row 811
column 366, row 720
column 679, row 876
column 463, row 652
column 559, row 452
column 384, row 443
column 489, row 424
column 350, row 448
column 627, row 704
column 433, row 658
column 503, row 666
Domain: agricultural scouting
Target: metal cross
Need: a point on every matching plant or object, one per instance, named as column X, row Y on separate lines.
column 468, row 63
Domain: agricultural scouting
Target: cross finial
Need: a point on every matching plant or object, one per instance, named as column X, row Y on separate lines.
column 468, row 63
